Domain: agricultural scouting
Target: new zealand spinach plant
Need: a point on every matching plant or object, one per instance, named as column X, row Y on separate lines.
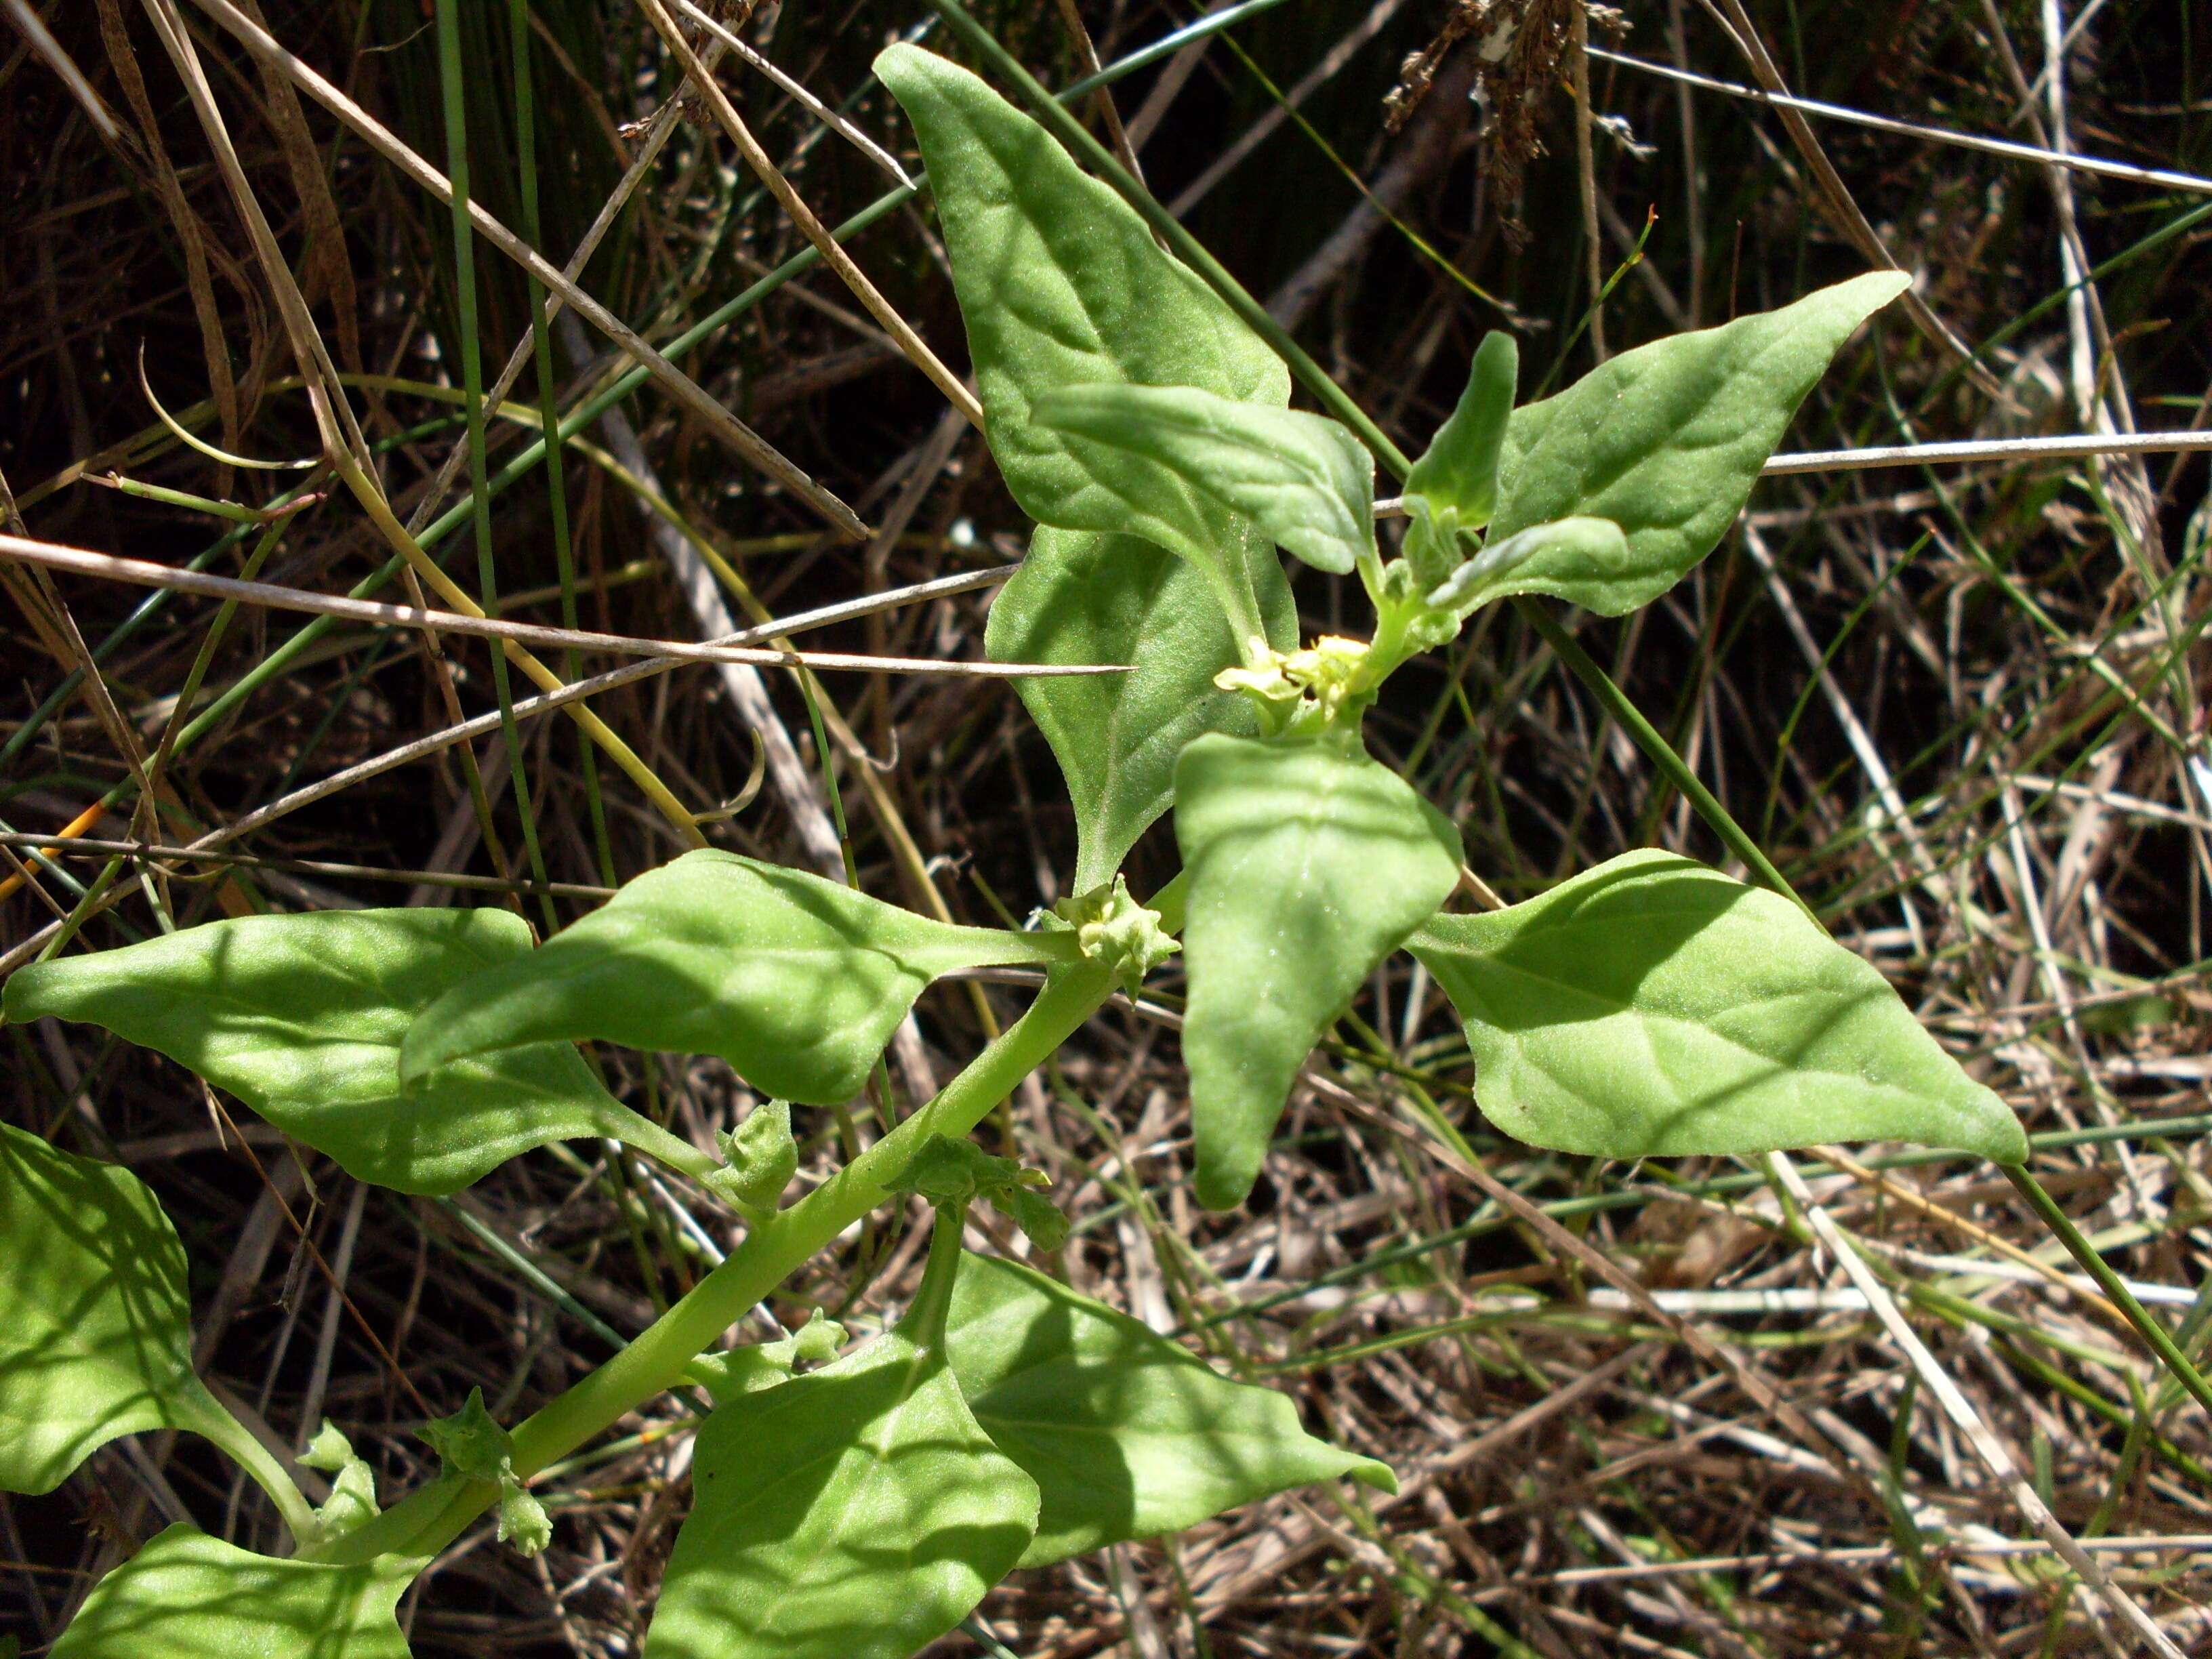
column 861, row 1505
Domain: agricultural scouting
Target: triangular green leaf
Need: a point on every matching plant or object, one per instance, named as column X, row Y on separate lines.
column 1126, row 1434
column 1303, row 479
column 185, row 1596
column 1308, row 863
column 1666, row 440
column 856, row 1512
column 1060, row 283
column 1654, row 1008
column 95, row 1336
column 301, row 1017
column 797, row 982
column 1085, row 599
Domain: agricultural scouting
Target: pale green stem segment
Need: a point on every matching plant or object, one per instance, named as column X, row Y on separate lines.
column 1170, row 903
column 203, row 1415
column 433, row 1516
column 2114, row 1287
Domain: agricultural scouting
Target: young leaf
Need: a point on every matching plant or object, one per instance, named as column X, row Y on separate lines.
column 186, row 1596
column 1044, row 1221
column 1577, row 548
column 1303, row 479
column 352, row 1502
column 856, row 1512
column 1126, row 1434
column 1060, row 283
column 1666, row 439
column 1308, row 865
column 1459, row 470
column 1080, row 598
column 301, row 1016
column 1654, row 1008
column 797, row 982
column 96, row 1337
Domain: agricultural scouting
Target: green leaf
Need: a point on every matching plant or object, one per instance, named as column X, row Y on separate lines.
column 96, row 1337
column 301, row 1016
column 1654, row 1008
column 1089, row 599
column 1060, row 283
column 856, row 1512
column 797, row 982
column 1580, row 549
column 1126, row 1434
column 1666, row 439
column 185, row 1596
column 1459, row 468
column 1308, row 865
column 1303, row 479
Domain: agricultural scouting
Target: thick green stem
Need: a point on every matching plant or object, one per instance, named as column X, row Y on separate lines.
column 2114, row 1287
column 433, row 1516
